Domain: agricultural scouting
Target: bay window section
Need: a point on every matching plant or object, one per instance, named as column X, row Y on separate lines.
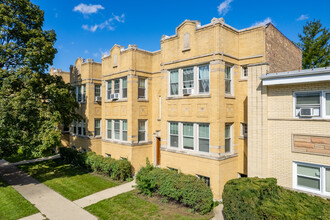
column 97, row 90
column 308, row 176
column 188, row 78
column 204, row 81
column 117, row 129
column 109, row 88
column 142, row 130
column 174, row 82
column 228, row 80
column 327, row 104
column 228, row 138
column 116, row 86
column 83, row 127
column 124, row 87
column 188, row 136
column 174, row 134
column 84, row 93
column 142, row 88
column 79, row 128
column 124, row 130
column 204, row 137
column 109, row 129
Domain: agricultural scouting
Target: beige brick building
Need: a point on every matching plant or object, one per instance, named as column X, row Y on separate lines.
column 185, row 106
column 289, row 129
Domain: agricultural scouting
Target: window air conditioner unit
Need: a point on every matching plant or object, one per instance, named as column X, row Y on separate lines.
column 306, row 112
column 98, row 98
column 187, row 91
column 114, row 96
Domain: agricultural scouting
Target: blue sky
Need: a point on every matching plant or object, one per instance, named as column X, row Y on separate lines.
column 90, row 28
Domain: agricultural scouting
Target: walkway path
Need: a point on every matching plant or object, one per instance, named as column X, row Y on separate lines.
column 105, row 194
column 36, row 160
column 51, row 204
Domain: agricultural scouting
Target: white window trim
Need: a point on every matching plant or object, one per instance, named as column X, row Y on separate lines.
column 81, row 92
column 180, row 137
column 100, row 135
column 113, row 130
column 323, row 168
column 231, row 80
column 112, row 91
column 231, row 138
column 76, row 124
column 145, row 132
column 322, row 104
column 100, row 89
column 180, row 83
column 243, row 135
column 145, row 88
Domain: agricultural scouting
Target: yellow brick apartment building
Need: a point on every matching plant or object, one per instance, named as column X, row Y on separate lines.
column 185, row 106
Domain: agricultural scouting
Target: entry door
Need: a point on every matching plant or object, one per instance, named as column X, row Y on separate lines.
column 158, row 151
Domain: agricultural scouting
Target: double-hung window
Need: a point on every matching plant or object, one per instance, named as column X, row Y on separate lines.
column 228, row 79
column 204, row 79
column 188, row 78
column 142, row 130
column 308, row 104
column 244, row 72
column 97, row 127
column 83, row 127
column 188, row 136
column 174, row 82
column 327, row 103
column 204, row 137
column 109, row 88
column 142, row 88
column 311, row 177
column 116, row 86
column 124, row 130
column 174, row 134
column 97, row 90
column 78, row 93
column 84, row 93
column 74, row 125
column 79, row 127
column 228, row 138
column 109, row 129
column 124, row 87
column 117, row 129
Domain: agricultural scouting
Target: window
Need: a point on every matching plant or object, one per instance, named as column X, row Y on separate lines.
column 244, row 130
column 124, row 87
column 84, row 93
column 116, row 129
column 83, row 128
column 244, row 72
column 97, row 90
column 204, row 82
column 142, row 130
column 115, row 60
column 79, row 127
column 116, row 86
column 173, row 169
column 142, row 88
column 109, row 88
column 186, row 41
column 188, row 136
column 188, row 78
column 174, row 82
column 205, row 179
column 228, row 138
column 97, row 127
column 107, row 155
column 124, row 130
column 109, row 129
column 311, row 177
column 228, row 80
column 74, row 125
column 327, row 104
column 174, row 134
column 204, row 138
column 308, row 104
column 78, row 93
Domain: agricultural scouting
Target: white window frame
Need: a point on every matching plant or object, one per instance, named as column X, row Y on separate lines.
column 112, row 90
column 195, row 137
column 109, row 84
column 322, row 104
column 195, row 88
column 113, row 130
column 322, row 178
column 231, row 79
column 122, row 88
column 145, row 131
column 82, row 125
column 244, row 130
column 100, row 86
column 81, row 90
column 231, row 137
column 97, row 119
column 107, row 128
column 243, row 67
column 145, row 87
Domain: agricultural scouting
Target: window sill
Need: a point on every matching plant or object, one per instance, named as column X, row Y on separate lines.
column 300, row 119
column 229, row 96
column 242, row 80
column 80, row 136
column 143, row 100
column 97, row 137
column 98, row 103
column 186, row 49
column 242, row 137
column 189, row 97
column 114, row 101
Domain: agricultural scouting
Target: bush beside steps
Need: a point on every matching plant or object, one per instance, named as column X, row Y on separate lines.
column 256, row 198
column 115, row 169
column 186, row 189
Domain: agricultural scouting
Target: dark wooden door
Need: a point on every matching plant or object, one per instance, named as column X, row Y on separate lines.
column 158, row 152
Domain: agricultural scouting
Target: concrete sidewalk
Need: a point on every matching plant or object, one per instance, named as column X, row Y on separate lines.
column 50, row 203
column 105, row 194
column 36, row 160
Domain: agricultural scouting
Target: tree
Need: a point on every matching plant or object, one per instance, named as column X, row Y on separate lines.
column 314, row 43
column 33, row 105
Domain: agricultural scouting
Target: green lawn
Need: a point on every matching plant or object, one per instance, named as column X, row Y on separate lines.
column 71, row 182
column 12, row 204
column 132, row 205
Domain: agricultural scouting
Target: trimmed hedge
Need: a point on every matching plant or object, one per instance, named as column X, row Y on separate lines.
column 115, row 169
column 256, row 198
column 185, row 189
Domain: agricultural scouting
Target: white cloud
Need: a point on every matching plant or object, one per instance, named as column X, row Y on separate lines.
column 96, row 55
column 302, row 17
column 264, row 22
column 108, row 24
column 86, row 52
column 87, row 9
column 224, row 7
column 104, row 52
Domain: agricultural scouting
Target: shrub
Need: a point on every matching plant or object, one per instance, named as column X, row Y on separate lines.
column 185, row 189
column 256, row 198
column 115, row 169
